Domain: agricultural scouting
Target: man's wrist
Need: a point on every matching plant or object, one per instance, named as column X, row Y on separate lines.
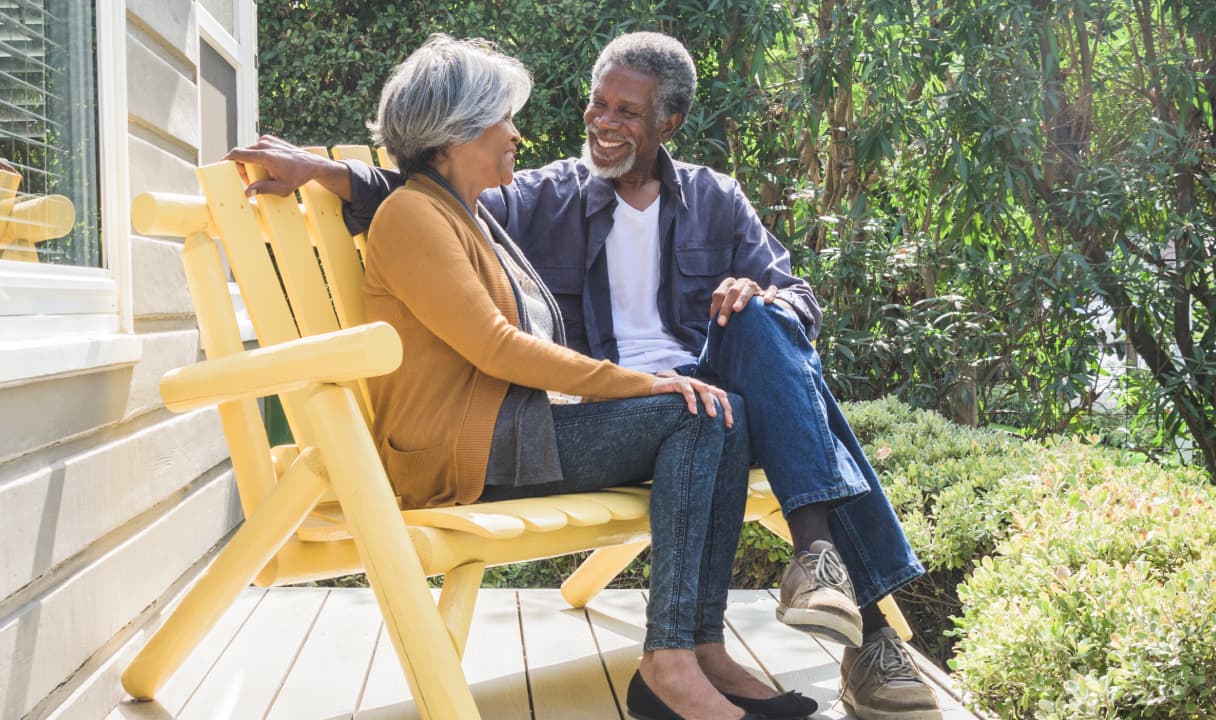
column 334, row 176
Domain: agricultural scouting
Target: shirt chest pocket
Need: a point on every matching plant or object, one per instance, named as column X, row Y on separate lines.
column 711, row 262
column 699, row 272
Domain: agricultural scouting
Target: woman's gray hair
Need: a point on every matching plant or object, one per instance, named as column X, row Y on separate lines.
column 446, row 92
column 660, row 56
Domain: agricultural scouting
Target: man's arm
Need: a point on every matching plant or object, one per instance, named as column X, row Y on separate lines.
column 762, row 267
column 289, row 167
column 361, row 187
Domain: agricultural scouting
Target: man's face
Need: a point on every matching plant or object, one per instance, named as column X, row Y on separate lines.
column 623, row 129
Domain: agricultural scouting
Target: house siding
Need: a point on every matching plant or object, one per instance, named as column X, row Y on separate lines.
column 109, row 503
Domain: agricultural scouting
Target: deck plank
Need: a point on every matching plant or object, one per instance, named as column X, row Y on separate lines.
column 564, row 669
column 320, row 654
column 386, row 695
column 493, row 663
column 794, row 660
column 244, row 681
column 328, row 676
column 618, row 624
column 494, row 657
column 182, row 684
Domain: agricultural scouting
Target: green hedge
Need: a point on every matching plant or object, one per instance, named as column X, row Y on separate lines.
column 1086, row 574
column 1099, row 604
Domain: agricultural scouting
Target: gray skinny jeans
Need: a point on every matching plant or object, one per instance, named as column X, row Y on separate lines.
column 699, row 469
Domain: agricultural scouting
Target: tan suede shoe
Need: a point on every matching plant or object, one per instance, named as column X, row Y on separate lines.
column 880, row 681
column 817, row 596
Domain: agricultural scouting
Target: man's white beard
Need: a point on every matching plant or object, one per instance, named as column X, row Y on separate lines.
column 610, row 172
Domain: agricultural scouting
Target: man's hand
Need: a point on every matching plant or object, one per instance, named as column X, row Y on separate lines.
column 288, row 167
column 734, row 294
column 691, row 388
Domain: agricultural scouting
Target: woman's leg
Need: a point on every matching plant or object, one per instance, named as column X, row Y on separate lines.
column 628, row 441
column 653, row 438
column 725, row 524
column 717, row 561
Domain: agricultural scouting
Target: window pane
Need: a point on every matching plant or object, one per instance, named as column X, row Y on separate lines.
column 217, row 98
column 48, row 132
column 221, row 10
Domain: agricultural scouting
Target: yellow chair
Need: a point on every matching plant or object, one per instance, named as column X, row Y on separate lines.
column 31, row 219
column 324, row 507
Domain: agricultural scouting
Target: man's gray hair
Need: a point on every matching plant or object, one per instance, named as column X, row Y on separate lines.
column 446, row 92
column 660, row 56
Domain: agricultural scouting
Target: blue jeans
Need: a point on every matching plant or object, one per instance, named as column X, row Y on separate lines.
column 699, row 470
column 805, row 445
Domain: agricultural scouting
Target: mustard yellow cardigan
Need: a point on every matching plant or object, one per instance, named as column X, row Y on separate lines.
column 433, row 276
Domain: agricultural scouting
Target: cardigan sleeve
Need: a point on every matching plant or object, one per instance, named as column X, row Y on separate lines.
column 425, row 258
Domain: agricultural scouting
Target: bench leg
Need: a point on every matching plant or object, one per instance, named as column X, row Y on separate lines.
column 597, row 571
column 457, row 599
column 251, row 547
column 424, row 648
column 895, row 617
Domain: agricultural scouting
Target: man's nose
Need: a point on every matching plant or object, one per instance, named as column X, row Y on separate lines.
column 606, row 117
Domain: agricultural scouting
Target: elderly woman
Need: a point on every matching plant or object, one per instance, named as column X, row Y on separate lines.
column 488, row 405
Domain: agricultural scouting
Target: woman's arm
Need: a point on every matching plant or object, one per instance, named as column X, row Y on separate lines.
column 415, row 254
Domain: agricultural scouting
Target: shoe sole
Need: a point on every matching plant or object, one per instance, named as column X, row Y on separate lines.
column 821, row 624
column 865, row 713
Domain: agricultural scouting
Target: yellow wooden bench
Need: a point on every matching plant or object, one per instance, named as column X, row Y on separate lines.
column 28, row 220
column 324, row 507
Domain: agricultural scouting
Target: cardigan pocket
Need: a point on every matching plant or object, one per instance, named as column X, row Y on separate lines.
column 423, row 478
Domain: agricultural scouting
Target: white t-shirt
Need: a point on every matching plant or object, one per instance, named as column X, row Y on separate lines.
column 633, row 278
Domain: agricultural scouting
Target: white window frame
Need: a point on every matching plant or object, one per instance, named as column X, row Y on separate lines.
column 62, row 319
column 238, row 49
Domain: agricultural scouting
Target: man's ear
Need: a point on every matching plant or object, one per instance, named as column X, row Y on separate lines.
column 668, row 127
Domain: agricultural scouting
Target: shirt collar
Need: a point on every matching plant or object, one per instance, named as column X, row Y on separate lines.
column 601, row 193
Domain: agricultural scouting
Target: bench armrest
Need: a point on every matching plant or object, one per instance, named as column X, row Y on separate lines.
column 335, row 357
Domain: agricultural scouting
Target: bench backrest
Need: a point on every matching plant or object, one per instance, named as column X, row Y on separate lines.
column 299, row 272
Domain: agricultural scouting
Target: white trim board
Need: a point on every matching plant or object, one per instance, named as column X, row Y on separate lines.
column 32, row 360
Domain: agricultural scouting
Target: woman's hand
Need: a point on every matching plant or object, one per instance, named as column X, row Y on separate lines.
column 691, row 388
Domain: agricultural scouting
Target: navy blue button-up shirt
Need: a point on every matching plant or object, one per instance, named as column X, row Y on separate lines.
column 560, row 215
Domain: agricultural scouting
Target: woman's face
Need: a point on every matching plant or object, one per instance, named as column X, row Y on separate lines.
column 489, row 158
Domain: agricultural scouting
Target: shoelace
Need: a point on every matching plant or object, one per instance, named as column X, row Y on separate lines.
column 830, row 570
column 892, row 658
column 889, row 655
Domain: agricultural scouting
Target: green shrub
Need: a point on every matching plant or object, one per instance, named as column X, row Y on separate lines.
column 1098, row 604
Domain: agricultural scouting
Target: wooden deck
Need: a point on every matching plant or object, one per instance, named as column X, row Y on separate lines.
column 312, row 653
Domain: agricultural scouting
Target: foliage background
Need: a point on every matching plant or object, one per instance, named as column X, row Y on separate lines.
column 1007, row 208
column 1002, row 204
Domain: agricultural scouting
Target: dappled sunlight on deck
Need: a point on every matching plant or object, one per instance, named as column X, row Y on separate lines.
column 319, row 653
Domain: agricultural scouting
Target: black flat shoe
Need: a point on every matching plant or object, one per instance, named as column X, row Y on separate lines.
column 789, row 706
column 643, row 704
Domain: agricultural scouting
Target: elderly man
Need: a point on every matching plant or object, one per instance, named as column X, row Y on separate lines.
column 639, row 250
